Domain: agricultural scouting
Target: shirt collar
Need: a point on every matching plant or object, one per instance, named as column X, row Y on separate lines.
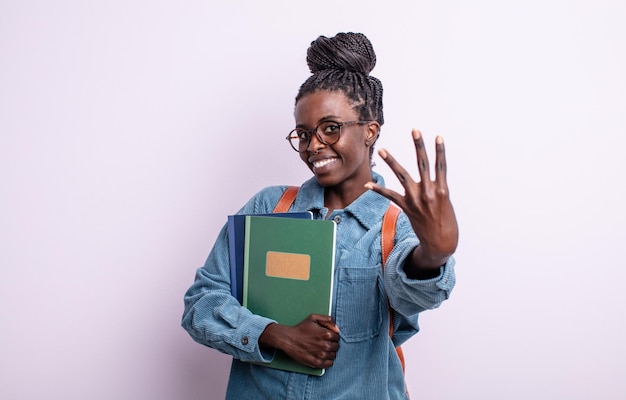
column 368, row 208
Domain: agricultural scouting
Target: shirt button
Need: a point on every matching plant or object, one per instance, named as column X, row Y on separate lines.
column 244, row 340
column 337, row 218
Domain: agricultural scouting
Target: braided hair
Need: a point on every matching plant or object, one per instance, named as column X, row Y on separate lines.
column 343, row 63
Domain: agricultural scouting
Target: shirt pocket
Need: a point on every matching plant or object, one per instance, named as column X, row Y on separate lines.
column 359, row 303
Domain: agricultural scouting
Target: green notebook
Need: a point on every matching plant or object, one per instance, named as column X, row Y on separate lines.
column 288, row 273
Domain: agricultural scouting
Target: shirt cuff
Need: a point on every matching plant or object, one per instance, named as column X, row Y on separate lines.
column 444, row 281
column 246, row 339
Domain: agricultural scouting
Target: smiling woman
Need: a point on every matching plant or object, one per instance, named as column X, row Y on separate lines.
column 344, row 164
column 338, row 118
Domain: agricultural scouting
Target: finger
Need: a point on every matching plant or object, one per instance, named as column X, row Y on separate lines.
column 325, row 363
column 441, row 167
column 328, row 323
column 327, row 355
column 332, row 347
column 403, row 176
column 422, row 157
column 388, row 193
column 330, row 327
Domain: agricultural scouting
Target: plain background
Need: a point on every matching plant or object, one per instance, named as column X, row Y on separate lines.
column 130, row 129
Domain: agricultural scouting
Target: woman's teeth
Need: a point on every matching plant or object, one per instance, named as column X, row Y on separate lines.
column 321, row 163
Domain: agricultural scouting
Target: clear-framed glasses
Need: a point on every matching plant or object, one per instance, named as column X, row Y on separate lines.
column 327, row 132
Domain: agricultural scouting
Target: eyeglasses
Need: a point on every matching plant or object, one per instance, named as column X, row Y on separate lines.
column 327, row 132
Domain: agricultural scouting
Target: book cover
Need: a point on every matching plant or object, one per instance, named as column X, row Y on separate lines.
column 288, row 273
column 236, row 241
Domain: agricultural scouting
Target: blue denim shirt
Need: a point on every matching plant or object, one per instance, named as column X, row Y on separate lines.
column 366, row 366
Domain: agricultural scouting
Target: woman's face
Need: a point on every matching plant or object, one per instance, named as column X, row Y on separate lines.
column 348, row 160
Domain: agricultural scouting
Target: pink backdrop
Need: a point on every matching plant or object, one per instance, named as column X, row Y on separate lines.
column 129, row 130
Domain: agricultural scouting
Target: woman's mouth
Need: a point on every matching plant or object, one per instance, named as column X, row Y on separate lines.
column 320, row 164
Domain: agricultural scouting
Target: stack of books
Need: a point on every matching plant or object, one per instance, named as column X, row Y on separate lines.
column 282, row 268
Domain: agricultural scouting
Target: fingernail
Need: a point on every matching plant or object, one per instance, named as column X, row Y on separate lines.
column 416, row 134
column 369, row 186
column 439, row 140
column 382, row 153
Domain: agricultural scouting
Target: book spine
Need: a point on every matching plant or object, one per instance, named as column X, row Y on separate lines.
column 245, row 263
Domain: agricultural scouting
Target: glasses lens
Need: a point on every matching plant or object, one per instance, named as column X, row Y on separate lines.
column 297, row 139
column 329, row 132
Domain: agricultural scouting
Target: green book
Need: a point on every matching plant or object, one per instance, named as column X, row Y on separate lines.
column 288, row 273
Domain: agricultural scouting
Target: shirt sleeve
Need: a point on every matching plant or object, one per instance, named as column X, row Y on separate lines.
column 212, row 316
column 411, row 296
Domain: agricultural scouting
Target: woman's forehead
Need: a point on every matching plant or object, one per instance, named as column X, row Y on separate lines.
column 322, row 104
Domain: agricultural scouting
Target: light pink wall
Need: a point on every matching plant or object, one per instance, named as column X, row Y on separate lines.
column 128, row 130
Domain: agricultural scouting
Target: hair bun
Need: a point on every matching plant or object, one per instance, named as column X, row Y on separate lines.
column 345, row 51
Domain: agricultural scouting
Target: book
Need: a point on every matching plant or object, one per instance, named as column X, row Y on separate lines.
column 288, row 273
column 236, row 241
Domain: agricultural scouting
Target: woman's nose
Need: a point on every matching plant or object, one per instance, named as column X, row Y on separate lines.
column 315, row 144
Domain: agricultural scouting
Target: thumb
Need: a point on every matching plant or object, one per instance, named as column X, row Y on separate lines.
column 328, row 323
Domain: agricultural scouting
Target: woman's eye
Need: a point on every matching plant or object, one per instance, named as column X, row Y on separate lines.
column 302, row 135
column 331, row 129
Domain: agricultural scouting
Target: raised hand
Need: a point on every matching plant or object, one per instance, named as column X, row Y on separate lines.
column 427, row 205
column 313, row 342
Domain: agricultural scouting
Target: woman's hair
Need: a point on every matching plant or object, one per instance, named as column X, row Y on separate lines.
column 343, row 63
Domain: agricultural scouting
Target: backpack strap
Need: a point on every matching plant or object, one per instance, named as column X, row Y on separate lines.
column 387, row 237
column 388, row 231
column 285, row 201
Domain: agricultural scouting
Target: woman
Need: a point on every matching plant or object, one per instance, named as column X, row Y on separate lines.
column 338, row 117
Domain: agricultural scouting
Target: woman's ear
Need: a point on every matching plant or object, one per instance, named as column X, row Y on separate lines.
column 373, row 129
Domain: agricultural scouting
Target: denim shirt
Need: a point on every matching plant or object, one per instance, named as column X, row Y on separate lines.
column 366, row 366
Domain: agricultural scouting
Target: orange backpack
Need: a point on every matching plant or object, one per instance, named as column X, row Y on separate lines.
column 387, row 236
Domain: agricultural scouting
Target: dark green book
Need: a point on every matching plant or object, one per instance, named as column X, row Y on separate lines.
column 236, row 244
column 288, row 273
